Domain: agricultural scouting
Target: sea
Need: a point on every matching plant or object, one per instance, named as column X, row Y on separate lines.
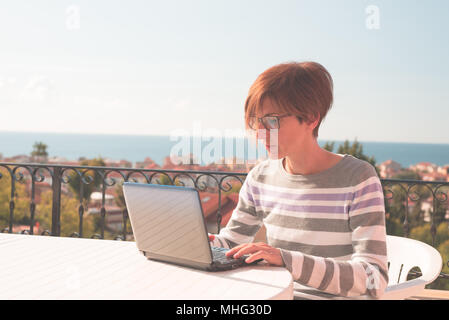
column 136, row 148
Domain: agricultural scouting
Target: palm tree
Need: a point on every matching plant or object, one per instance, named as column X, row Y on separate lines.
column 39, row 153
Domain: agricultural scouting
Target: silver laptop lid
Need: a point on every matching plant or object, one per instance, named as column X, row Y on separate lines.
column 168, row 221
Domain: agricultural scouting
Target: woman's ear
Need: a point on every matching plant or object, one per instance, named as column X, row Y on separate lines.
column 313, row 122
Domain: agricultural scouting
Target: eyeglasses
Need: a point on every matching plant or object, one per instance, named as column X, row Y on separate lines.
column 269, row 122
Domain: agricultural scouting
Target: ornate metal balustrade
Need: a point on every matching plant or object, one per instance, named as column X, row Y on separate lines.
column 105, row 177
column 401, row 196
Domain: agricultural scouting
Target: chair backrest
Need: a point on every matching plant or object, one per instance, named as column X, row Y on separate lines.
column 404, row 254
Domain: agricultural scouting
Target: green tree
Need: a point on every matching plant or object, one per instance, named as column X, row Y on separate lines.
column 355, row 149
column 21, row 201
column 439, row 212
column 407, row 174
column 39, row 153
column 70, row 219
column 92, row 181
column 396, row 206
column 119, row 196
column 119, row 199
column 329, row 146
column 235, row 188
column 442, row 284
column 423, row 234
column 163, row 179
column 91, row 176
column 417, row 193
column 43, row 211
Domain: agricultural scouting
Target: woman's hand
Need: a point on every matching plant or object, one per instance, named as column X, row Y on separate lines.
column 258, row 250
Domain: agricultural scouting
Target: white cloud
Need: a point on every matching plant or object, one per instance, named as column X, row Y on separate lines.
column 37, row 88
column 180, row 105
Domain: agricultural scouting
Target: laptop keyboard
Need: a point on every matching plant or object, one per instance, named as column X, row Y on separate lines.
column 219, row 254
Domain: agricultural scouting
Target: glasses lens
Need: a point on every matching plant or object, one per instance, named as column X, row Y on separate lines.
column 271, row 122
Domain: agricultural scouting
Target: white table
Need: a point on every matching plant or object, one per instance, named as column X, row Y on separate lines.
column 43, row 267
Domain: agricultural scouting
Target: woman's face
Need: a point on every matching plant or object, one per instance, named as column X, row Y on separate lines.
column 291, row 135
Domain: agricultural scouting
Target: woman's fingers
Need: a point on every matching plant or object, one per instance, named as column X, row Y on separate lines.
column 248, row 248
column 261, row 254
column 257, row 251
column 232, row 251
column 272, row 256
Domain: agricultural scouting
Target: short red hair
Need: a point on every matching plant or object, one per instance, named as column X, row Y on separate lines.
column 303, row 89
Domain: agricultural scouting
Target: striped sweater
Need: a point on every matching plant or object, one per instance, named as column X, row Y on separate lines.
column 329, row 226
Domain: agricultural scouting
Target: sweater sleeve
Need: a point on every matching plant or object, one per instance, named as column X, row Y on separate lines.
column 245, row 220
column 366, row 273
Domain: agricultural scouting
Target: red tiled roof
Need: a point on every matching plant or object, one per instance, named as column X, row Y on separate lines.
column 209, row 202
column 227, row 207
column 65, row 163
column 152, row 166
column 19, row 228
column 425, row 164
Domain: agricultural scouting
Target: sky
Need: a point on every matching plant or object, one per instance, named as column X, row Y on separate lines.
column 156, row 67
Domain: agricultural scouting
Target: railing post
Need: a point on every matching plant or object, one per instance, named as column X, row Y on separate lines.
column 125, row 220
column 219, row 217
column 103, row 210
column 56, row 204
column 11, row 202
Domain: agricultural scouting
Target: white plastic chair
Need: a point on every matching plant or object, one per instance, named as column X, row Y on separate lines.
column 403, row 255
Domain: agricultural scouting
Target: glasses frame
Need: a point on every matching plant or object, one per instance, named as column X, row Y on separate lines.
column 260, row 120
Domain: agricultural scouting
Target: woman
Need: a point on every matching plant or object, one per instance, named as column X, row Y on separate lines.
column 323, row 212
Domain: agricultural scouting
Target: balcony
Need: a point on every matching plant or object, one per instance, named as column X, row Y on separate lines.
column 87, row 202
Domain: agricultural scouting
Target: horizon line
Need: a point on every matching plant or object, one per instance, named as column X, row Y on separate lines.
column 214, row 136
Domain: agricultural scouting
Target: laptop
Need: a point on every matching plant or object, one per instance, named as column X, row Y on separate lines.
column 168, row 225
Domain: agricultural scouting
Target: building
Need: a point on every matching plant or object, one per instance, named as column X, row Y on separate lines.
column 117, row 163
column 389, row 168
column 147, row 163
column 19, row 158
column 444, row 170
column 114, row 214
column 57, row 160
column 424, row 167
column 210, row 205
column 434, row 176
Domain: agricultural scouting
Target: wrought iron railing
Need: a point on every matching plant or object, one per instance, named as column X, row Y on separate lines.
column 59, row 175
column 399, row 194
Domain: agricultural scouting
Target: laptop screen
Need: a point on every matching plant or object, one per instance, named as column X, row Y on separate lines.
column 168, row 221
